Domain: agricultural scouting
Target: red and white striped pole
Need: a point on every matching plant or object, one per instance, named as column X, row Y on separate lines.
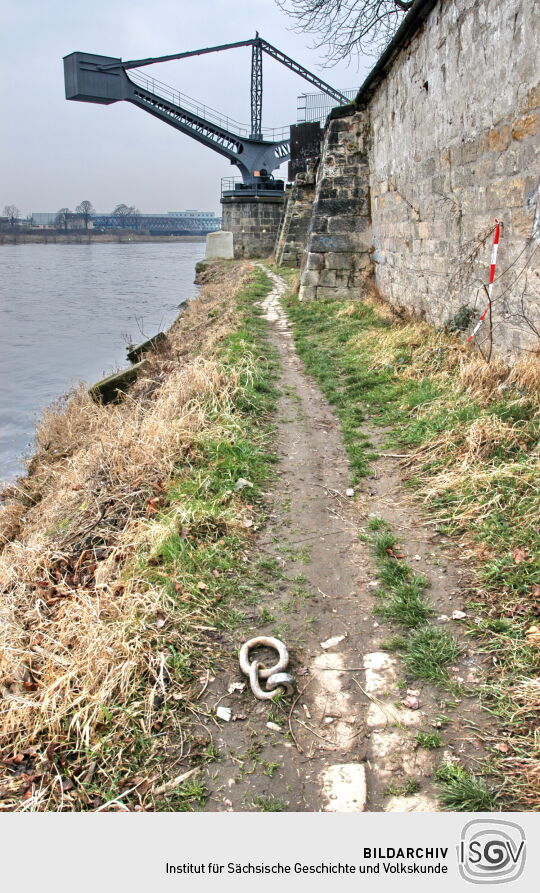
column 492, row 268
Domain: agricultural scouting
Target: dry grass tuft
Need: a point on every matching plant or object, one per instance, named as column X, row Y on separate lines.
column 486, row 436
column 481, row 379
column 346, row 310
column 526, row 374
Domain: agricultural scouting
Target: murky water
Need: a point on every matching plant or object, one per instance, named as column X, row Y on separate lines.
column 66, row 315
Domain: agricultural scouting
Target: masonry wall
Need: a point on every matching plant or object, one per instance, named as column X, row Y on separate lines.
column 254, row 222
column 337, row 262
column 451, row 141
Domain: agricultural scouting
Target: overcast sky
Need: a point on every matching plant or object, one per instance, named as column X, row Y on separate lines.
column 56, row 153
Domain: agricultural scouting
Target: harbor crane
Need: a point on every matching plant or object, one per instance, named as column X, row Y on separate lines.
column 256, row 151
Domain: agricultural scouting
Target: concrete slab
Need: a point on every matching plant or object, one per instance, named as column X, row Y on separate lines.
column 344, row 787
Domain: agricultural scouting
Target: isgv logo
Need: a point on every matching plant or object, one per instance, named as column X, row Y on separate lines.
column 491, row 851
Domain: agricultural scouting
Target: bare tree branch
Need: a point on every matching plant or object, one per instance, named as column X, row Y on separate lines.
column 347, row 27
column 12, row 213
column 85, row 211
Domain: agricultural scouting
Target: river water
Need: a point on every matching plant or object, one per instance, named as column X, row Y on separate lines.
column 67, row 313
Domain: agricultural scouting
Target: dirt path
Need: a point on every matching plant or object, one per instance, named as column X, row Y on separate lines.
column 348, row 742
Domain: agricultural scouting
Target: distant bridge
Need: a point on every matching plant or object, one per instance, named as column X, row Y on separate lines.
column 160, row 224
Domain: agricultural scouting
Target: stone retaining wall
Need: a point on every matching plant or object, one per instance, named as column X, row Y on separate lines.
column 294, row 228
column 444, row 142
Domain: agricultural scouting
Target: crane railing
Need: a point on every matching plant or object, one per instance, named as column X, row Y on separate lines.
column 172, row 94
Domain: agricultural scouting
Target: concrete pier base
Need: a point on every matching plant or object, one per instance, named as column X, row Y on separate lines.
column 254, row 221
column 219, row 245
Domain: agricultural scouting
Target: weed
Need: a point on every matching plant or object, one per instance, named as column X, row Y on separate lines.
column 270, row 769
column 461, row 791
column 264, row 803
column 411, row 786
column 384, row 543
column 429, row 740
column 189, row 795
column 210, row 753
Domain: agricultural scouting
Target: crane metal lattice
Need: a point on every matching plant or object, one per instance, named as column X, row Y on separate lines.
column 257, row 151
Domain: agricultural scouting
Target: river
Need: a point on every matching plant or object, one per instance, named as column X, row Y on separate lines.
column 67, row 313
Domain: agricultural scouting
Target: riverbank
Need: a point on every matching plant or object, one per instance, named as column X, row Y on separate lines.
column 123, row 547
column 47, row 238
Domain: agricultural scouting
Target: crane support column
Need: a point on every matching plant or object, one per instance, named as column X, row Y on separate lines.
column 256, row 90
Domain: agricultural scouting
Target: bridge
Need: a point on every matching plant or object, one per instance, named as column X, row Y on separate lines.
column 256, row 151
column 182, row 224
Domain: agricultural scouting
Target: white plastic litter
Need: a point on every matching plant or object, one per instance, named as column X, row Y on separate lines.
column 334, row 640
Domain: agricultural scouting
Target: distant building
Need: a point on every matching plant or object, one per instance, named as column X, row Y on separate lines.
column 43, row 218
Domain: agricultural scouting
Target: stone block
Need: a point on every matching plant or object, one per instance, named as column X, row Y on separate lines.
column 338, row 261
column 327, row 278
column 324, row 242
column 525, row 126
column 307, row 293
column 311, row 277
column 509, row 193
column 353, row 223
column 315, row 261
column 337, row 294
column 337, row 207
column 499, row 138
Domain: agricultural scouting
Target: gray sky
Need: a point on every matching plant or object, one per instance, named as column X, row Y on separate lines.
column 56, row 153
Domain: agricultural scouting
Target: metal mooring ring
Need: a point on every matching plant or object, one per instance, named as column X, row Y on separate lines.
column 269, row 642
column 285, row 681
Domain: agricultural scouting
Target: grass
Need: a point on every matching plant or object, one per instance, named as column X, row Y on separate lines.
column 132, row 542
column 428, row 653
column 402, row 591
column 472, row 431
column 461, row 791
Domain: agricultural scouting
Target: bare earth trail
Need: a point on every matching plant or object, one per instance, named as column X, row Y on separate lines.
column 348, row 742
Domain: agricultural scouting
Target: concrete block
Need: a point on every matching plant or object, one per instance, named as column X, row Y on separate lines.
column 219, row 245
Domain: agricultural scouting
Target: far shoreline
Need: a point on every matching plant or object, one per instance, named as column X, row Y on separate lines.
column 88, row 239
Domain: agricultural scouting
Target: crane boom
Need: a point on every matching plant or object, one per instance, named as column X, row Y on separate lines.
column 104, row 79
